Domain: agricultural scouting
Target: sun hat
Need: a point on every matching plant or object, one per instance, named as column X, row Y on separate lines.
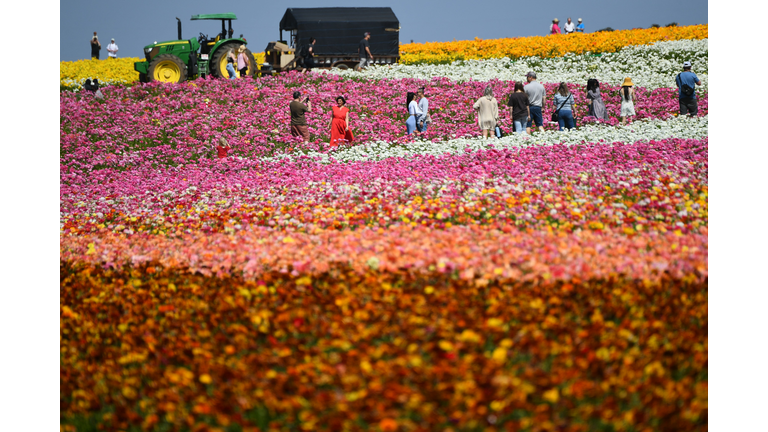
column 531, row 74
column 686, row 64
column 579, row 19
column 556, row 20
column 627, row 82
column 241, row 49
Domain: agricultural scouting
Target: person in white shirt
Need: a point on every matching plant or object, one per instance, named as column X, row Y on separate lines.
column 413, row 110
column 112, row 49
column 423, row 121
column 569, row 27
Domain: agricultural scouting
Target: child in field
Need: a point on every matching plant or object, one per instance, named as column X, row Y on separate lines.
column 627, row 94
column 222, row 148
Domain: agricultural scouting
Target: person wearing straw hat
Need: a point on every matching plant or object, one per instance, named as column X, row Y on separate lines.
column 242, row 61
column 580, row 27
column 554, row 28
column 627, row 94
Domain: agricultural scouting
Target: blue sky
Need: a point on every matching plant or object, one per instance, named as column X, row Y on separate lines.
column 140, row 22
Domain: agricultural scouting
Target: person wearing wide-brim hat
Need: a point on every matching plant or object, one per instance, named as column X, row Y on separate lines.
column 243, row 62
column 554, row 28
column 627, row 94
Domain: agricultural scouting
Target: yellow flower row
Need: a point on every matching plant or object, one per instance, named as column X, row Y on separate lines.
column 544, row 46
column 107, row 71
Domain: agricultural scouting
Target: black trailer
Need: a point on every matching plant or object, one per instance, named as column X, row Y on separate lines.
column 338, row 31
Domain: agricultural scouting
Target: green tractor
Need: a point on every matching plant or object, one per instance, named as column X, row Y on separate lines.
column 180, row 60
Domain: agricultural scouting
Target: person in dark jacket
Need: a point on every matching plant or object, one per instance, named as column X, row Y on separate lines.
column 95, row 46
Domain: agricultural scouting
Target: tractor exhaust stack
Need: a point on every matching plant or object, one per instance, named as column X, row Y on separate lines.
column 177, row 19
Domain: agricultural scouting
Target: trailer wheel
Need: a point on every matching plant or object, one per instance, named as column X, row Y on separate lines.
column 167, row 68
column 342, row 66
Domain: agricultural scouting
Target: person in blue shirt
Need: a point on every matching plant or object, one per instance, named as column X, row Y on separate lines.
column 580, row 27
column 686, row 82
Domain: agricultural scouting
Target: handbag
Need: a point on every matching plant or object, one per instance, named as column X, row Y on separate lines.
column 556, row 114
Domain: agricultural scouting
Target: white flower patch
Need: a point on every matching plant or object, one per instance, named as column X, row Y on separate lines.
column 641, row 130
column 651, row 66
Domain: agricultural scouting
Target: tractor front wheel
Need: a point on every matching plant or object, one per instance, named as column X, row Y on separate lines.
column 167, row 68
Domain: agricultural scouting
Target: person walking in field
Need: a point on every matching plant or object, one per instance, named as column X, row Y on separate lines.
column 564, row 102
column 535, row 91
column 521, row 108
column 627, row 94
column 95, row 46
column 298, row 121
column 112, row 49
column 364, row 51
column 415, row 112
column 339, row 125
column 686, row 81
column 596, row 105
column 424, row 120
column 554, row 28
column 487, row 108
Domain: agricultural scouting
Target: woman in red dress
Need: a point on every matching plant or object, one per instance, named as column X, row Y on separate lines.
column 340, row 132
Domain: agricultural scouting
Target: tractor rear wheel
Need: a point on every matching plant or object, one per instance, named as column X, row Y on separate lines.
column 218, row 64
column 167, row 68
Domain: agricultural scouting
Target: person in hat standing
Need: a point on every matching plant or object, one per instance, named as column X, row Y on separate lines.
column 243, row 62
column 554, row 28
column 535, row 91
column 627, row 94
column 686, row 82
column 364, row 51
column 95, row 46
column 569, row 27
column 112, row 49
column 580, row 27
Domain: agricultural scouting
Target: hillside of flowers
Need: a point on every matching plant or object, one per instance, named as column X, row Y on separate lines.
column 553, row 281
column 544, row 46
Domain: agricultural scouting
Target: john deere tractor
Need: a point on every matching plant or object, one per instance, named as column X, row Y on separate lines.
column 180, row 60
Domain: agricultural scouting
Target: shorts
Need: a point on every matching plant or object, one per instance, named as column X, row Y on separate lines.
column 535, row 116
column 364, row 62
column 689, row 106
column 309, row 62
column 300, row 130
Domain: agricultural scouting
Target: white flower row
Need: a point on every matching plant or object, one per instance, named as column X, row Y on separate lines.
column 641, row 130
column 651, row 66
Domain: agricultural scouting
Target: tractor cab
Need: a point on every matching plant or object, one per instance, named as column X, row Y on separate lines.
column 206, row 42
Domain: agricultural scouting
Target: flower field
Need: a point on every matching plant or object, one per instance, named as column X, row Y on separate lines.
column 544, row 46
column 556, row 281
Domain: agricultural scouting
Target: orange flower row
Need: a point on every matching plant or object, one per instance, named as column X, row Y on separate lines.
column 358, row 341
column 544, row 46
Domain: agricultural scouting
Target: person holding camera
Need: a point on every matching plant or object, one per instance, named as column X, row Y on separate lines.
column 298, row 121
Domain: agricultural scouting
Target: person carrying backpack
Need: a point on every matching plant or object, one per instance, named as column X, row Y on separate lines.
column 686, row 82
